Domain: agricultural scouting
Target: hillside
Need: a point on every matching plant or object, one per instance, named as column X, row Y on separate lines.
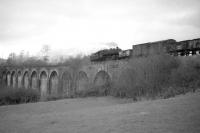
column 104, row 115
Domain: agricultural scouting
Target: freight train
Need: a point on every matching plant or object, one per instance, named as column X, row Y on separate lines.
column 187, row 48
column 170, row 46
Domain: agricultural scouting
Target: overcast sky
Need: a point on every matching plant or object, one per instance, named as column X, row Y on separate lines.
column 73, row 26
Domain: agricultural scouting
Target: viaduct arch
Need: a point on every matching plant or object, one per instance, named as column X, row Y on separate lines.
column 53, row 83
column 19, row 79
column 66, row 81
column 83, row 81
column 25, row 79
column 34, row 80
column 13, row 79
column 102, row 79
column 43, row 83
column 8, row 77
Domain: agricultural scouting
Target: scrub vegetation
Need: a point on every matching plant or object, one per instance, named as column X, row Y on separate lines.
column 158, row 76
column 17, row 96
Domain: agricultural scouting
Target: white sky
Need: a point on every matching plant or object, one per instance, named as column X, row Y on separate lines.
column 73, row 26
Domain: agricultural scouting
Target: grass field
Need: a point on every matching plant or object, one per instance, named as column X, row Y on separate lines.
column 180, row 114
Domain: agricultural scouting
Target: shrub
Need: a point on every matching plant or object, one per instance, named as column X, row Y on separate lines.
column 103, row 90
column 17, row 96
column 187, row 74
column 158, row 75
column 144, row 76
column 53, row 97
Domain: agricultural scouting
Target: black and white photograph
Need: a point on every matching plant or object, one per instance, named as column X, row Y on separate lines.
column 99, row 66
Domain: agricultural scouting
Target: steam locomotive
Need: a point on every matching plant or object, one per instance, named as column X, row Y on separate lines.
column 111, row 54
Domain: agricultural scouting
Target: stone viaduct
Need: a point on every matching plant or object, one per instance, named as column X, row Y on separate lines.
column 63, row 80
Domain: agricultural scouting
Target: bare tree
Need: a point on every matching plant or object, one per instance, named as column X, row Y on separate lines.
column 45, row 52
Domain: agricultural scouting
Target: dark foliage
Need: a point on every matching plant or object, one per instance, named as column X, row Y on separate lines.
column 17, row 96
column 158, row 76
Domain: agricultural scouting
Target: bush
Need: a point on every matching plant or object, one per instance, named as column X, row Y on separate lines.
column 158, row 75
column 95, row 91
column 144, row 76
column 17, row 96
column 187, row 74
column 53, row 97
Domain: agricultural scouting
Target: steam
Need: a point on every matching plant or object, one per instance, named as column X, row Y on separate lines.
column 111, row 44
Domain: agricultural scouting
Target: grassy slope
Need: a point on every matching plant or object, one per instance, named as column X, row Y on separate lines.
column 98, row 115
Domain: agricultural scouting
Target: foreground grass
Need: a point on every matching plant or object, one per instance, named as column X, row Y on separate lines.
column 104, row 115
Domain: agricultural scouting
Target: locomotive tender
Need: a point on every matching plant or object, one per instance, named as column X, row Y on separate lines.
column 170, row 46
